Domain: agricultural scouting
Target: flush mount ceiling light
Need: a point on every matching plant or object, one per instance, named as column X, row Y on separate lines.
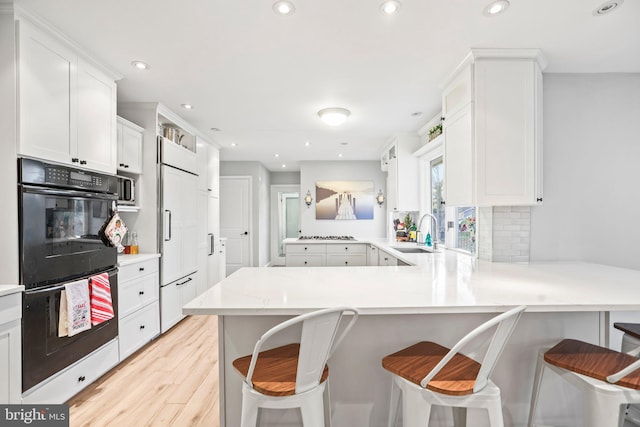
column 496, row 7
column 334, row 116
column 607, row 7
column 284, row 8
column 187, row 106
column 140, row 65
column 390, row 7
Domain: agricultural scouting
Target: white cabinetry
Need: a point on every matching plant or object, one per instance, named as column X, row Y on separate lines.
column 138, row 309
column 68, row 382
column 130, row 138
column 174, row 296
column 208, row 216
column 305, row 255
column 66, row 106
column 386, row 260
column 492, row 107
column 347, row 255
column 372, row 255
column 10, row 348
column 402, row 174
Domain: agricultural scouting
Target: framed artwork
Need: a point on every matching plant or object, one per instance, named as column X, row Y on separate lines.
column 340, row 200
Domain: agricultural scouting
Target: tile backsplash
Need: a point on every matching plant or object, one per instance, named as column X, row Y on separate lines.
column 504, row 233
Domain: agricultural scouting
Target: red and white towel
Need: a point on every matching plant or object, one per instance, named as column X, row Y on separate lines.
column 101, row 304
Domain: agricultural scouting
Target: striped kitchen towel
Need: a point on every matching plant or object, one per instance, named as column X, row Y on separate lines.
column 101, row 305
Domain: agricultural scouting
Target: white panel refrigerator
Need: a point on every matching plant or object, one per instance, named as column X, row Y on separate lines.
column 178, row 230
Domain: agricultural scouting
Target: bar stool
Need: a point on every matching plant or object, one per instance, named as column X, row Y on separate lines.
column 608, row 379
column 630, row 345
column 429, row 374
column 293, row 375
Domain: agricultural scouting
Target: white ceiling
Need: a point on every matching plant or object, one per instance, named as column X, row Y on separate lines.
column 261, row 78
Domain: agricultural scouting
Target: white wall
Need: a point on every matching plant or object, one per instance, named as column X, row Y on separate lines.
column 591, row 204
column 9, row 266
column 310, row 172
column 285, row 178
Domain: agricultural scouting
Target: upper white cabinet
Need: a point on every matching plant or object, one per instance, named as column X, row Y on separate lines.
column 492, row 108
column 130, row 138
column 66, row 106
column 402, row 174
column 208, row 168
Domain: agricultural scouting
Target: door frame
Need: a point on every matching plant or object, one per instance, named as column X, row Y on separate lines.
column 249, row 180
column 276, row 259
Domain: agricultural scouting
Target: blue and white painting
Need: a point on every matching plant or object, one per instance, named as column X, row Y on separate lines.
column 340, row 200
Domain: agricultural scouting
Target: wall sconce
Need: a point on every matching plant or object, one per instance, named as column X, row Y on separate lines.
column 380, row 198
column 308, row 199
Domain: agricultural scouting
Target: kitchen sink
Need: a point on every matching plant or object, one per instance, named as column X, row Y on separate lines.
column 414, row 250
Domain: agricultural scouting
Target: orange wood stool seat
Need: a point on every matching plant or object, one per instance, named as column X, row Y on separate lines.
column 275, row 371
column 413, row 363
column 593, row 361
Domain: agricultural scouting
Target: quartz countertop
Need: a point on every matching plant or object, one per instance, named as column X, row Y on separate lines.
column 132, row 259
column 10, row 289
column 441, row 282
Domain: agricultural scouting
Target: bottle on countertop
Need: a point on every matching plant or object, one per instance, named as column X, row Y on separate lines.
column 133, row 243
column 427, row 240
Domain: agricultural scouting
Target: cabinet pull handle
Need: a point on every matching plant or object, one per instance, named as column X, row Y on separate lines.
column 305, row 263
column 83, row 162
column 305, row 248
column 121, row 165
column 442, row 118
column 141, row 269
column 141, row 293
column 346, row 248
column 75, row 159
column 211, row 245
column 126, row 166
column 168, row 225
column 81, row 378
column 539, row 199
column 346, row 263
column 141, row 326
column 442, row 202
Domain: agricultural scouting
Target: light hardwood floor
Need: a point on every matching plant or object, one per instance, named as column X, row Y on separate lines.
column 173, row 381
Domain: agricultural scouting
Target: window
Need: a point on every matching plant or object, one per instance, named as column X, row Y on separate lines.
column 437, row 181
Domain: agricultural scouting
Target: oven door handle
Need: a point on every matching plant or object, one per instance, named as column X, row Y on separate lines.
column 68, row 193
column 45, row 290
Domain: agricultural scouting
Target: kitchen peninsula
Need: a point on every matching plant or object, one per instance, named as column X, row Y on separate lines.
column 440, row 299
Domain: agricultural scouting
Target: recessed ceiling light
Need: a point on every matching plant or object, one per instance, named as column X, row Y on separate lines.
column 215, row 129
column 141, row 65
column 339, row 154
column 496, row 7
column 284, row 166
column 607, row 7
column 233, row 144
column 284, row 8
column 187, row 106
column 334, row 116
column 390, row 7
column 276, row 155
column 307, row 143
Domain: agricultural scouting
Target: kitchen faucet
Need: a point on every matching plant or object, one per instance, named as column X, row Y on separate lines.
column 434, row 229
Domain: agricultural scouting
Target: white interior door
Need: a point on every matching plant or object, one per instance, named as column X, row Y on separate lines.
column 235, row 221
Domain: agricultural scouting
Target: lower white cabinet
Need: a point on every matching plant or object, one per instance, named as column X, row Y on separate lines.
column 138, row 329
column 68, row 382
column 372, row 255
column 347, row 255
column 386, row 260
column 172, row 297
column 138, row 307
column 305, row 255
column 10, row 349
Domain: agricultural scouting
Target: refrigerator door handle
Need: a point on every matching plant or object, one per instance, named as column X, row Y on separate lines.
column 168, row 224
column 211, row 244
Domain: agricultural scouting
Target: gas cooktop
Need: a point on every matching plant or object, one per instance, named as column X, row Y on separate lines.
column 326, row 238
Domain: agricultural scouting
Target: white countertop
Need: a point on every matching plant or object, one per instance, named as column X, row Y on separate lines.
column 10, row 289
column 443, row 282
column 132, row 259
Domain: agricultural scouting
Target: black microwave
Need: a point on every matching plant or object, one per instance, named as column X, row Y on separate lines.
column 126, row 190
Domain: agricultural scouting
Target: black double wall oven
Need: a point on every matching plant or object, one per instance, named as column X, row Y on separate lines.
column 62, row 211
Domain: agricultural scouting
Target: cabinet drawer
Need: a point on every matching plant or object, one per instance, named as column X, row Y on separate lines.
column 306, row 249
column 67, row 383
column 133, row 294
column 139, row 269
column 10, row 307
column 338, row 260
column 311, row 260
column 384, row 259
column 358, row 248
column 138, row 329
